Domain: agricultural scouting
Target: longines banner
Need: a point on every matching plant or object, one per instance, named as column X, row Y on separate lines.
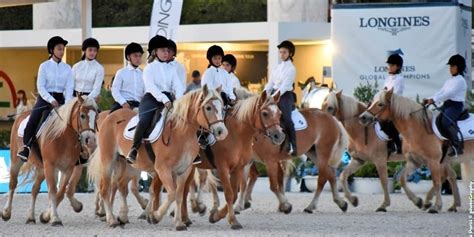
column 165, row 18
column 425, row 35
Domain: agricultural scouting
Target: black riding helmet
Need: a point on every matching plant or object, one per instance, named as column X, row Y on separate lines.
column 132, row 48
column 230, row 59
column 288, row 45
column 395, row 59
column 90, row 43
column 55, row 40
column 458, row 60
column 156, row 42
column 213, row 51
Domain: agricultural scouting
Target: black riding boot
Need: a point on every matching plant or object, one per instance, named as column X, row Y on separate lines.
column 457, row 147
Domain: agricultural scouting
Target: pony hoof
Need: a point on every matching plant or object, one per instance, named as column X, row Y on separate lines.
column 103, row 218
column 43, row 219
column 181, row 228
column 427, row 206
column 142, row 216
column 452, row 209
column 354, row 201
column 433, row 211
column 236, row 226
column 145, row 203
column 419, row 203
column 308, row 211
column 212, row 218
column 202, row 211
column 381, row 209
column 122, row 222
column 114, row 225
column 6, row 217
column 288, row 210
column 247, row 205
column 30, row 221
column 152, row 220
column 79, row 209
column 188, row 223
column 98, row 214
column 344, row 207
column 236, row 212
column 57, row 223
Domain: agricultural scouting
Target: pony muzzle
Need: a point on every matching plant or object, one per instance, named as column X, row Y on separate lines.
column 219, row 130
column 366, row 118
column 277, row 136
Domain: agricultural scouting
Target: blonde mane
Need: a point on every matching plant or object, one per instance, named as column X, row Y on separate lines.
column 57, row 123
column 350, row 106
column 242, row 93
column 403, row 107
column 244, row 109
column 182, row 105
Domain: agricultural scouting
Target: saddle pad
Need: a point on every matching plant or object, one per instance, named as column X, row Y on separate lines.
column 129, row 131
column 380, row 134
column 465, row 126
column 21, row 129
column 298, row 120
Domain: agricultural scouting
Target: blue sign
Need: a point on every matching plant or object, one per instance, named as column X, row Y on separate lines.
column 5, row 176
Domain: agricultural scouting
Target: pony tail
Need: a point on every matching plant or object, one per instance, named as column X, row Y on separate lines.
column 83, row 56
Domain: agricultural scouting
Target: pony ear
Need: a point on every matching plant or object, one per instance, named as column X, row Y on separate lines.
column 205, row 90
column 276, row 97
column 80, row 99
column 219, row 89
column 389, row 93
column 263, row 97
column 338, row 94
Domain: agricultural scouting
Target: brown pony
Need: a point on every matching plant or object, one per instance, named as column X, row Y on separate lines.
column 69, row 131
column 323, row 142
column 248, row 117
column 420, row 145
column 175, row 150
column 365, row 146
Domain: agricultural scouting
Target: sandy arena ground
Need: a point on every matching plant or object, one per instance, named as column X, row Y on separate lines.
column 403, row 219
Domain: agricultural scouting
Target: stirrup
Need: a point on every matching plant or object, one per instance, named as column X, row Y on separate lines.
column 24, row 157
column 197, row 160
column 132, row 156
column 455, row 152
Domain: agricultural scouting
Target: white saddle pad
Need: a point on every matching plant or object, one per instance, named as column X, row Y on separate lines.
column 465, row 126
column 298, row 120
column 21, row 129
column 380, row 134
column 129, row 131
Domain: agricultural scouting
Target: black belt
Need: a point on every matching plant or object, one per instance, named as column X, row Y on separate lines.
column 75, row 93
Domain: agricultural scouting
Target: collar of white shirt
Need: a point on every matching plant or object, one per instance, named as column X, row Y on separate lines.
column 132, row 68
column 52, row 60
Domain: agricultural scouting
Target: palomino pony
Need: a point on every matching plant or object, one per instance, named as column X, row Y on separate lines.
column 124, row 174
column 365, row 146
column 323, row 141
column 248, row 117
column 420, row 144
column 174, row 151
column 66, row 134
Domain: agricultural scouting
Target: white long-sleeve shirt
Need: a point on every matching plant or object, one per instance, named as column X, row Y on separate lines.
column 282, row 78
column 453, row 89
column 128, row 85
column 397, row 82
column 88, row 77
column 180, row 70
column 55, row 77
column 159, row 76
column 235, row 81
column 214, row 77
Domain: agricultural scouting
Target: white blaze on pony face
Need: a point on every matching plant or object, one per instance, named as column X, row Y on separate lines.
column 92, row 117
column 273, row 109
column 219, row 129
